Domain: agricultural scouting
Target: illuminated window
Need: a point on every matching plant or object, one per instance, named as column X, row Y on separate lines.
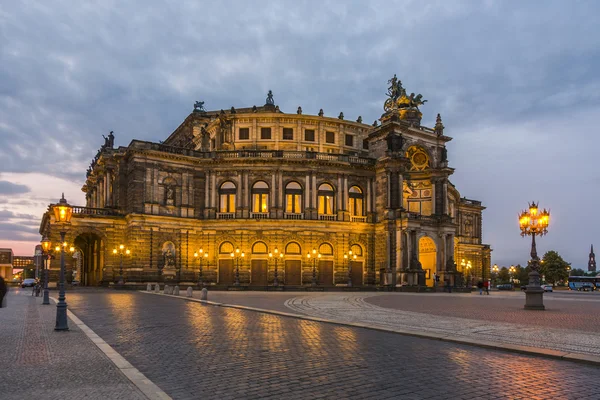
column 355, row 201
column 260, row 197
column 326, row 199
column 293, row 198
column 227, row 197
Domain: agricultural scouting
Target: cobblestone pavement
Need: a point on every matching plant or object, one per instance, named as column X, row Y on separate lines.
column 38, row 363
column 192, row 350
column 360, row 308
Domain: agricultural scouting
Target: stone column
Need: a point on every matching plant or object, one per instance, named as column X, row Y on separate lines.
column 433, row 198
column 389, row 190
column 280, row 191
column 206, row 186
column 345, row 198
column 314, row 193
column 214, row 191
column 369, row 206
column 400, row 190
column 445, row 196
column 307, row 196
column 246, row 197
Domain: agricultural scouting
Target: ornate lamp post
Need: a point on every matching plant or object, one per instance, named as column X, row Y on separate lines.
column 315, row 255
column 201, row 254
column 46, row 256
column 62, row 212
column 532, row 222
column 466, row 265
column 349, row 257
column 278, row 255
column 122, row 250
column 495, row 271
column 238, row 255
column 511, row 271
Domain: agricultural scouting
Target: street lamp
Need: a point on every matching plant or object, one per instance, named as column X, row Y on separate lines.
column 237, row 256
column 532, row 222
column 122, row 250
column 466, row 265
column 62, row 212
column 349, row 257
column 314, row 269
column 511, row 271
column 202, row 254
column 46, row 257
column 275, row 277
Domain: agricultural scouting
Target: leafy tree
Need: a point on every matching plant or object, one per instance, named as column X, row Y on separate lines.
column 578, row 272
column 503, row 275
column 554, row 268
column 522, row 274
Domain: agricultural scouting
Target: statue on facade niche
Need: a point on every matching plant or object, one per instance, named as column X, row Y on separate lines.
column 444, row 154
column 169, row 259
column 270, row 101
column 450, row 265
column 170, row 193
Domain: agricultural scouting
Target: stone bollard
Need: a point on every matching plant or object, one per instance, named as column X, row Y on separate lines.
column 204, row 294
column 166, row 289
column 170, row 290
column 176, row 290
column 148, row 288
column 189, row 292
column 157, row 288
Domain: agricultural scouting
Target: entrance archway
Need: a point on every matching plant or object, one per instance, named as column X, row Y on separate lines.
column 91, row 259
column 427, row 258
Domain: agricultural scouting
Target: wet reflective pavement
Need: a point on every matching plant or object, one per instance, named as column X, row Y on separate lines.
column 192, row 350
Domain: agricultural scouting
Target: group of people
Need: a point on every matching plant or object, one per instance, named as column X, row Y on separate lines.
column 481, row 285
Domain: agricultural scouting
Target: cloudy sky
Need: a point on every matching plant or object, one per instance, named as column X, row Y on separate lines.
column 517, row 84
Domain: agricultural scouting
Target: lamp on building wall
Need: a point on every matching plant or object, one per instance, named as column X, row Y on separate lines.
column 534, row 222
column 121, row 251
column 62, row 213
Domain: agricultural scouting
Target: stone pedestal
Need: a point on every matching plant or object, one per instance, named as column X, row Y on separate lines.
column 534, row 298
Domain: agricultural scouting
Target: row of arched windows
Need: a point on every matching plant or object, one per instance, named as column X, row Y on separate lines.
column 292, row 248
column 293, row 198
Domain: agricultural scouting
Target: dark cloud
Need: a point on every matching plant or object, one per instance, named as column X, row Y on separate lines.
column 504, row 75
column 9, row 188
column 6, row 214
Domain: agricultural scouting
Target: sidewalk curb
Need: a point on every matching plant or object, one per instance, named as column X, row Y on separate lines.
column 145, row 385
column 487, row 344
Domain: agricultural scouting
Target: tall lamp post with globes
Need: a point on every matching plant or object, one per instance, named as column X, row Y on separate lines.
column 46, row 256
column 278, row 255
column 238, row 256
column 121, row 251
column 495, row 271
column 201, row 254
column 315, row 256
column 350, row 258
column 534, row 222
column 62, row 212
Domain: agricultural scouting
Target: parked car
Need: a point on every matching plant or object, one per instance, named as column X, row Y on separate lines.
column 547, row 288
column 28, row 282
column 505, row 286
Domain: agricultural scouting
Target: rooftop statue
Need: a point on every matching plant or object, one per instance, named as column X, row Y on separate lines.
column 270, row 101
column 397, row 97
column 199, row 107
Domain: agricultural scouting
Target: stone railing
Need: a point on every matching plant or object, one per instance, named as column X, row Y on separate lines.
column 250, row 153
column 325, row 217
column 356, row 218
column 259, row 215
column 78, row 210
column 430, row 218
column 225, row 215
column 293, row 215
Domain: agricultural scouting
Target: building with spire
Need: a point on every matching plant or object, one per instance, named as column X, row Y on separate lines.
column 592, row 260
column 338, row 202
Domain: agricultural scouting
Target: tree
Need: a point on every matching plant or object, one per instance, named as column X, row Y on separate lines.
column 554, row 268
column 522, row 274
column 503, row 275
column 578, row 272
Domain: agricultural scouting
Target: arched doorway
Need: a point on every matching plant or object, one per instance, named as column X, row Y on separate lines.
column 226, row 270
column 90, row 259
column 427, row 258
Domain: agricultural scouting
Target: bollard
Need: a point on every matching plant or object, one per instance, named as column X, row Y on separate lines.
column 148, row 288
column 166, row 289
column 190, row 292
column 204, row 295
column 176, row 291
column 157, row 288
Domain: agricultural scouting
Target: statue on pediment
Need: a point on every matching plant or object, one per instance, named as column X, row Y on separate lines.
column 270, row 101
column 199, row 107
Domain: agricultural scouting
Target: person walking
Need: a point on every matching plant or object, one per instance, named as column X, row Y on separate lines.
column 3, row 291
column 480, row 287
column 486, row 287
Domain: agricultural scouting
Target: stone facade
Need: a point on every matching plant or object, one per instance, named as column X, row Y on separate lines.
column 371, row 205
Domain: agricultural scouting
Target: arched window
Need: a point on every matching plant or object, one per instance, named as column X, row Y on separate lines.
column 259, row 248
column 260, row 197
column 225, row 248
column 357, row 249
column 227, row 197
column 326, row 199
column 355, row 201
column 293, row 198
column 293, row 248
column 326, row 249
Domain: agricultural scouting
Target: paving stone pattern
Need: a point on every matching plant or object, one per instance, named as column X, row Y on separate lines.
column 192, row 351
column 356, row 308
column 38, row 363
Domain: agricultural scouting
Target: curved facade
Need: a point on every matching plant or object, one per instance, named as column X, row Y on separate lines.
column 243, row 195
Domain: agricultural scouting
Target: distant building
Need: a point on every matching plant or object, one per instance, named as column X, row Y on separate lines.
column 592, row 261
column 6, row 260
